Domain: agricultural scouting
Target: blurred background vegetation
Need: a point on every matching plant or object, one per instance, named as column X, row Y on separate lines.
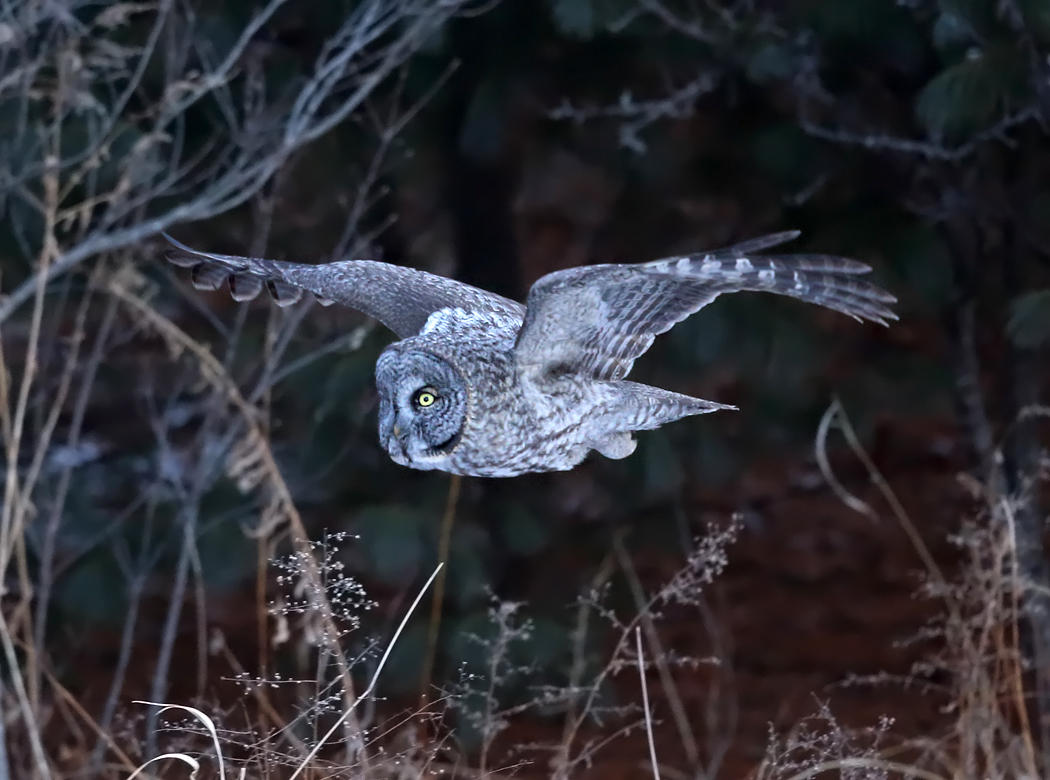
column 496, row 142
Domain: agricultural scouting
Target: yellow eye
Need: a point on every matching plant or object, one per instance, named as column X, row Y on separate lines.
column 426, row 397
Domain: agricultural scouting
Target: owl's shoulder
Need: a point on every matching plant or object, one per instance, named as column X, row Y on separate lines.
column 456, row 322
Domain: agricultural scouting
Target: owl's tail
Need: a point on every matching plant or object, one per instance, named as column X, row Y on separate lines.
column 643, row 407
column 638, row 407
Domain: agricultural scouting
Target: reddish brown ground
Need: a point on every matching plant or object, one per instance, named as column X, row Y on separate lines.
column 814, row 594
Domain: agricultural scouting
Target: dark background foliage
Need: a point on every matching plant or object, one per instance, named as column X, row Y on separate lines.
column 910, row 135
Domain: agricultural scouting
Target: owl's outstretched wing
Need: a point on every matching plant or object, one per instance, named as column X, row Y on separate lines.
column 596, row 320
column 400, row 298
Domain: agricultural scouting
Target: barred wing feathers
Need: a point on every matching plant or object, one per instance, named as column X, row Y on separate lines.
column 597, row 320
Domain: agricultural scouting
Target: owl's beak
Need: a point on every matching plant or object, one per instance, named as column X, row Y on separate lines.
column 399, row 445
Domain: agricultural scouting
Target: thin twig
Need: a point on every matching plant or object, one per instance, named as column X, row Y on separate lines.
column 438, row 600
column 14, row 673
column 645, row 702
column 61, row 491
column 878, row 764
column 375, row 675
column 579, row 660
column 887, row 493
column 166, row 647
column 674, row 699
column 1016, row 671
column 820, row 451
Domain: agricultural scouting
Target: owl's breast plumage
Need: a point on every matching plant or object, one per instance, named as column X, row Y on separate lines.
column 515, row 426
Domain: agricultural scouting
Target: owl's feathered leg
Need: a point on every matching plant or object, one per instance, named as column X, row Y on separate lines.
column 637, row 407
column 617, row 445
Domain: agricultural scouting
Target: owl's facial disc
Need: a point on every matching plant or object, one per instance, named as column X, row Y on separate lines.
column 422, row 407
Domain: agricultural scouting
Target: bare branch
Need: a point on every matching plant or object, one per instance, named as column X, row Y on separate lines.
column 638, row 115
column 359, row 57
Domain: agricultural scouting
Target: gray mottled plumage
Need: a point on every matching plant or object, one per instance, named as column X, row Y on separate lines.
column 481, row 385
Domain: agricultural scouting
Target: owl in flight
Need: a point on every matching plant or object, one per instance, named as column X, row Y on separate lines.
column 481, row 385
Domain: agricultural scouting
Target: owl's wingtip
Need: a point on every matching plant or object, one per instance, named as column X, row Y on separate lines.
column 179, row 254
column 176, row 243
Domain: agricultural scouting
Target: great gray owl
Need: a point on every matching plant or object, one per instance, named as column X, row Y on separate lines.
column 481, row 385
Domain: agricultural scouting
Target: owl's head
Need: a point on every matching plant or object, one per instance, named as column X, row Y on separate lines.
column 422, row 407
